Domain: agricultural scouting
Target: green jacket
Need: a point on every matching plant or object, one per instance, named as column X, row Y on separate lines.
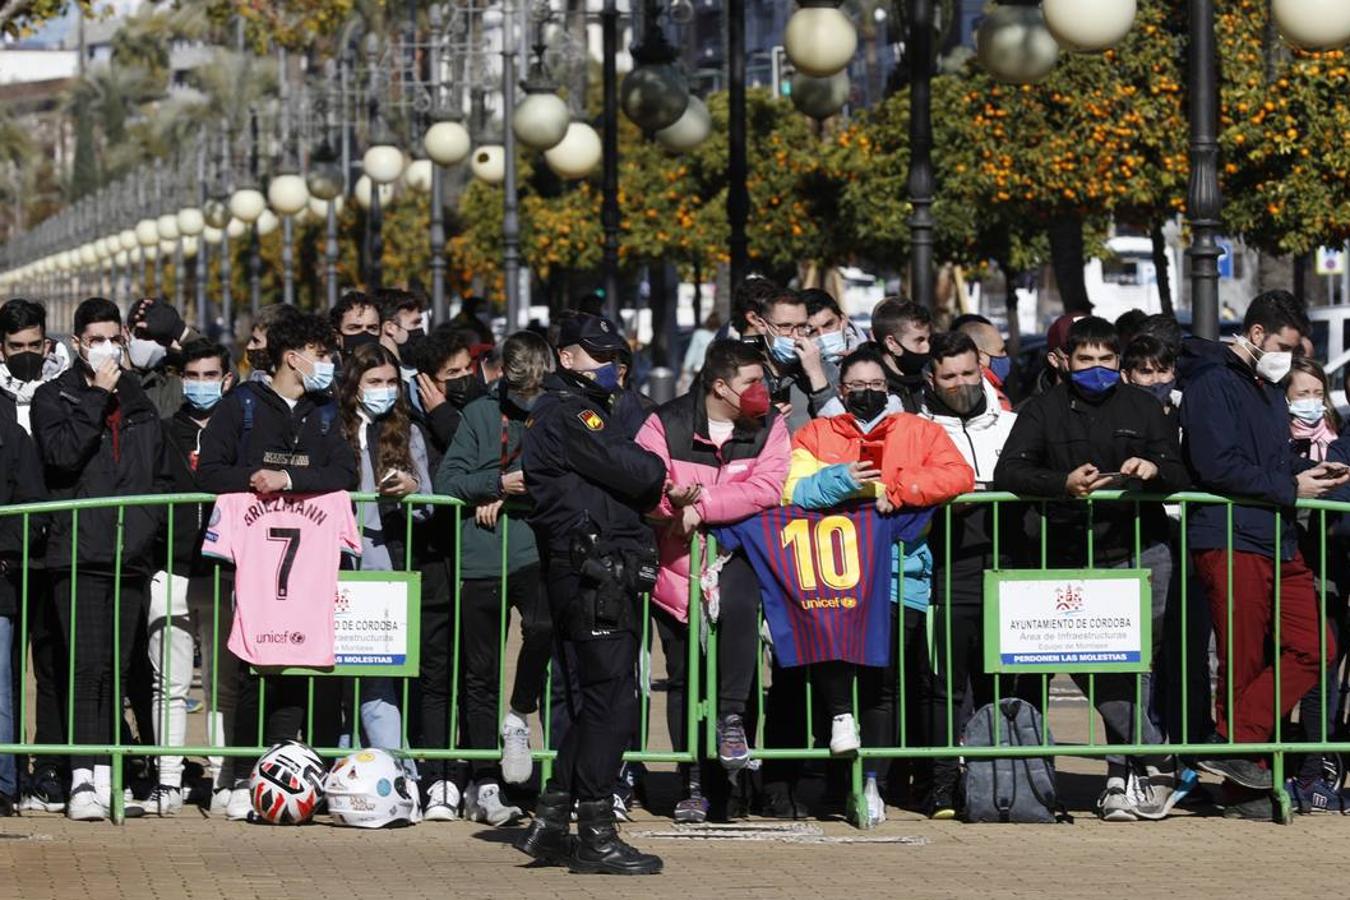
column 471, row 470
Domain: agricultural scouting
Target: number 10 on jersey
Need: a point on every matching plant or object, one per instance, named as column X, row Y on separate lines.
column 828, row 552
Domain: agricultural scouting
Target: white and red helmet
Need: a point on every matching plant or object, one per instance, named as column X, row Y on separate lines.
column 287, row 784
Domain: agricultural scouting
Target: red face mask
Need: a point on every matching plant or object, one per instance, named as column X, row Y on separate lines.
column 754, row 401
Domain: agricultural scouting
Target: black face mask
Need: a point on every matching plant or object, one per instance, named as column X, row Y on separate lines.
column 912, row 363
column 408, row 352
column 464, row 389
column 361, row 339
column 259, row 360
column 865, row 405
column 25, row 366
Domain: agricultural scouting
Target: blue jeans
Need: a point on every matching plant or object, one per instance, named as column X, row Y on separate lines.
column 8, row 778
column 381, row 719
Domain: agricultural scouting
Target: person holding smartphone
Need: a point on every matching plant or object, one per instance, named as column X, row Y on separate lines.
column 1090, row 432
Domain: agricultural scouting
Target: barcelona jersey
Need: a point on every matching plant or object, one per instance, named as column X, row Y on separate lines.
column 825, row 578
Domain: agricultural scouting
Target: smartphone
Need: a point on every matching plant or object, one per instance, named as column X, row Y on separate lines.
column 871, row 454
column 1114, row 479
column 1335, row 470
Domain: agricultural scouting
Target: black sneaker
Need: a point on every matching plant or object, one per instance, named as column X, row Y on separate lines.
column 1240, row 770
column 46, row 792
column 1259, row 808
column 7, row 807
column 777, row 803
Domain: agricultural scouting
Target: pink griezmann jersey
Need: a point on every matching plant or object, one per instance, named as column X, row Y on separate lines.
column 285, row 549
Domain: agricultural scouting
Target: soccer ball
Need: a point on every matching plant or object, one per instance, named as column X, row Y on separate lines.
column 286, row 784
column 369, row 789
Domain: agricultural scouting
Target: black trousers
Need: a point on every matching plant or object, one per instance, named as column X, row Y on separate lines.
column 481, row 612
column 591, row 751
column 737, row 649
column 97, row 707
column 48, row 666
column 431, row 716
column 286, row 714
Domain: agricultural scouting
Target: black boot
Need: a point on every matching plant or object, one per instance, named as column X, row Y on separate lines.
column 546, row 839
column 599, row 850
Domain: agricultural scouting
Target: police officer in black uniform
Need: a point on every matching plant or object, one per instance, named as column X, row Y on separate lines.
column 590, row 485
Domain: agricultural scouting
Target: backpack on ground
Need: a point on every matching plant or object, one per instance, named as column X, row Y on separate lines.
column 1010, row 789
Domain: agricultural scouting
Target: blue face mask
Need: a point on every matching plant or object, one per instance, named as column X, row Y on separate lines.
column 832, row 345
column 783, row 349
column 1001, row 366
column 607, row 377
column 1095, row 382
column 202, row 395
column 378, row 401
column 321, row 378
column 1161, row 391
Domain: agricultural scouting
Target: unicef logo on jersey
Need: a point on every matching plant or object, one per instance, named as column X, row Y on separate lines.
column 280, row 637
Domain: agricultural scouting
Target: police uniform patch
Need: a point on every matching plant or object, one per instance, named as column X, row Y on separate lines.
column 591, row 419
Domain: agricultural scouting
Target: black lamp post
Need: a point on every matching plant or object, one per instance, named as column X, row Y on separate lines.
column 609, row 140
column 738, row 195
column 1204, row 202
column 920, row 52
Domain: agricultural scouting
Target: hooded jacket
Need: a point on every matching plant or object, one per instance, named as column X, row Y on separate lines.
column 741, row 478
column 99, row 444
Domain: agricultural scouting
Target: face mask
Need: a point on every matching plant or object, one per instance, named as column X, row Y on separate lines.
column 415, row 337
column 351, row 341
column 320, row 378
column 1272, row 365
column 463, row 389
column 1001, row 367
column 606, row 377
column 1095, row 382
column 145, row 355
column 866, row 405
column 783, row 349
column 1309, row 410
column 101, row 353
column 913, row 363
column 202, row 395
column 753, row 402
column 378, row 401
column 1161, row 390
column 25, row 366
column 831, row 345
column 962, row 398
column 259, row 360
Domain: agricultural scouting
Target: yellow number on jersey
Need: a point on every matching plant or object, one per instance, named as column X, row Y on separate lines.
column 840, row 569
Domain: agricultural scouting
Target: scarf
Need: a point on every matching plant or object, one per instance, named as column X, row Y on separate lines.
column 1320, row 436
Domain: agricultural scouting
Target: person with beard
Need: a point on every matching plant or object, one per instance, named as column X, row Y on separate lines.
column 901, row 330
column 961, row 399
column 482, row 468
column 590, row 486
column 99, row 436
column 877, row 452
column 725, row 450
column 255, row 352
column 30, row 360
column 1089, row 433
column 402, row 329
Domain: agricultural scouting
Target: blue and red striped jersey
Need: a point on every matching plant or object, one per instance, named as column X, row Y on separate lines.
column 825, row 578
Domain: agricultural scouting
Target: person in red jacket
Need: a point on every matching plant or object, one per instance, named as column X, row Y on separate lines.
column 726, row 453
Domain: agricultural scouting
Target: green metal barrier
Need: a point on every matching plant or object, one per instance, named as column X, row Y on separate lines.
column 701, row 695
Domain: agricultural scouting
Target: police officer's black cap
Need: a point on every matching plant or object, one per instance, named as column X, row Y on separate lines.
column 595, row 334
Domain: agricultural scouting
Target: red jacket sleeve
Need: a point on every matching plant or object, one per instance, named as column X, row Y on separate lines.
column 931, row 470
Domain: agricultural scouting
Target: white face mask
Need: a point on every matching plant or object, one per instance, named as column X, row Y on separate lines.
column 99, row 354
column 145, row 355
column 1272, row 365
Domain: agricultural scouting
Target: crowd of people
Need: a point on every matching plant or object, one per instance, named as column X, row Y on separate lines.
column 791, row 406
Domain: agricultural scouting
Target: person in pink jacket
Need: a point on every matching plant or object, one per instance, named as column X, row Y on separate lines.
column 726, row 451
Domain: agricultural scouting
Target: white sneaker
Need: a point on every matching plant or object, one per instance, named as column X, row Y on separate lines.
column 164, row 801
column 240, row 805
column 84, row 805
column 220, row 801
column 876, row 807
column 484, row 804
column 517, row 764
column 442, row 802
column 844, row 735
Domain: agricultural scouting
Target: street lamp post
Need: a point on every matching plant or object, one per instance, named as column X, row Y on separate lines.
column 255, row 243
column 738, row 196
column 609, row 202
column 510, row 202
column 1204, row 203
column 921, row 186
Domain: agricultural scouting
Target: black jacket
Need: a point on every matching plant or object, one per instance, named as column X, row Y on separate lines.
column 85, row 456
column 305, row 442
column 577, row 465
column 1060, row 430
column 182, row 441
column 20, row 482
column 630, row 409
column 908, row 388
